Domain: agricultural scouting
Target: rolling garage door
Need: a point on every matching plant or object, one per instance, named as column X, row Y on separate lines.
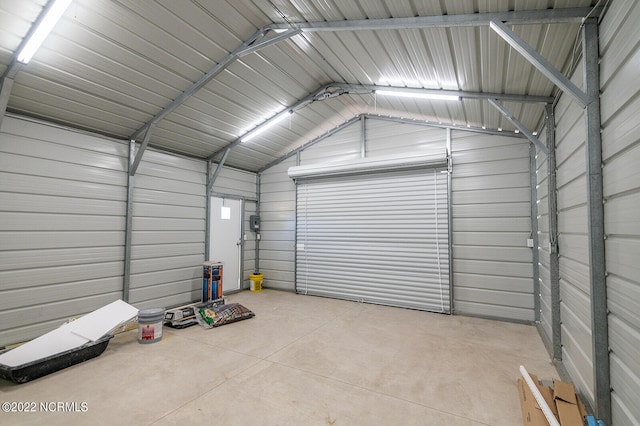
column 375, row 236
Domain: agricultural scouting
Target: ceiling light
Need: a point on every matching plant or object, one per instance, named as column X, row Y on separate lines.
column 42, row 31
column 418, row 94
column 266, row 125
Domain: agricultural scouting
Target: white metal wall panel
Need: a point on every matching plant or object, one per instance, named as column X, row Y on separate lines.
column 573, row 246
column 544, row 264
column 277, row 228
column 491, row 197
column 235, row 182
column 408, row 139
column 620, row 106
column 491, row 177
column 342, row 146
column 62, row 220
column 378, row 238
column 169, row 223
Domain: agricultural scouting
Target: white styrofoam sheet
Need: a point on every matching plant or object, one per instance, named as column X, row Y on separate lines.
column 90, row 327
column 96, row 324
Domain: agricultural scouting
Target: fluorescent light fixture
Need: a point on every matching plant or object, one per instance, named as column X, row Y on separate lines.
column 266, row 125
column 417, row 94
column 42, row 31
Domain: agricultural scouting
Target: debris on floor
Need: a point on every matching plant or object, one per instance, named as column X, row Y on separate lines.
column 69, row 344
column 543, row 404
column 185, row 316
column 217, row 316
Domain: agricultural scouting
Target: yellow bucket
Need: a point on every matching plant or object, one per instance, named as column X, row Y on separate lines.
column 256, row 281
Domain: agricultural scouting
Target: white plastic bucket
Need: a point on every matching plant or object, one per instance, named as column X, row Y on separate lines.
column 150, row 325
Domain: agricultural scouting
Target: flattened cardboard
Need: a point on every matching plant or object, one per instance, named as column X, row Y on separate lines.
column 562, row 400
column 532, row 415
column 564, row 395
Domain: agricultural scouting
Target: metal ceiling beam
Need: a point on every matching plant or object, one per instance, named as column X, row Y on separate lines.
column 308, row 144
column 257, row 40
column 546, row 16
column 336, row 89
column 369, row 88
column 5, row 93
column 544, row 66
column 324, row 93
column 347, row 123
column 525, row 131
column 273, row 40
column 265, row 37
column 494, row 132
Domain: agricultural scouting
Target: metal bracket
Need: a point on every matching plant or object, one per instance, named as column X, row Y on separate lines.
column 539, row 62
column 143, row 147
column 525, row 131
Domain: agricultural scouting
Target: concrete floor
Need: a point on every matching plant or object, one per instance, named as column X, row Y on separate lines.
column 301, row 361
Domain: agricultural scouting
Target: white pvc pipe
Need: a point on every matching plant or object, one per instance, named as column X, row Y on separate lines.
column 538, row 396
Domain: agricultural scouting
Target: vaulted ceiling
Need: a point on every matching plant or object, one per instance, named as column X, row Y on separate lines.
column 200, row 74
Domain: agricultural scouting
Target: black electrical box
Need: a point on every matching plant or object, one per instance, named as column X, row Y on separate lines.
column 254, row 221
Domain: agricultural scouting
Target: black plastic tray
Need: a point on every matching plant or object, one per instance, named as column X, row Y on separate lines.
column 32, row 370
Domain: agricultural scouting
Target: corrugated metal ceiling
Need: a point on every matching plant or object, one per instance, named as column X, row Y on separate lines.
column 112, row 65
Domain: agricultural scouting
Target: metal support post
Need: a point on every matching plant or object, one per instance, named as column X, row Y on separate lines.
column 129, row 225
column 450, row 218
column 595, row 207
column 554, row 263
column 363, row 136
column 534, row 231
column 207, row 231
column 257, row 249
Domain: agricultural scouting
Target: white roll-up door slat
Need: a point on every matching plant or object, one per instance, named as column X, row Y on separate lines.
column 375, row 237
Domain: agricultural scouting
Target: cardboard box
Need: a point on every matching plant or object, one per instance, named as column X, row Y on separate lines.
column 561, row 398
column 211, row 281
